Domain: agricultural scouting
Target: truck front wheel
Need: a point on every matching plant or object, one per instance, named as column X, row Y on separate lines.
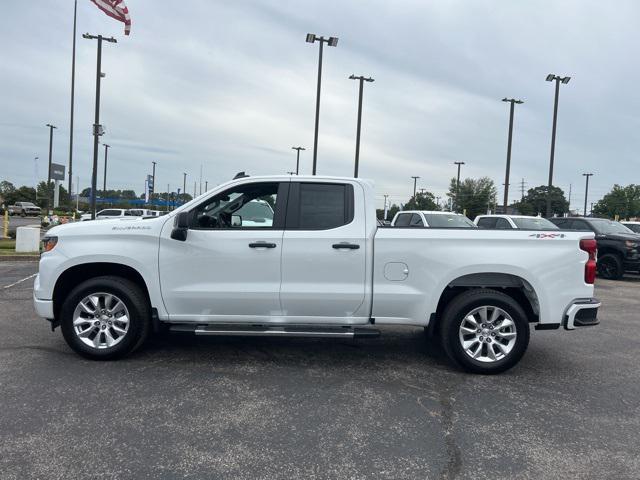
column 105, row 318
column 484, row 331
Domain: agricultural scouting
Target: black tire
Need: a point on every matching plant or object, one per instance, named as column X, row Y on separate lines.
column 610, row 266
column 457, row 311
column 135, row 302
column 23, row 214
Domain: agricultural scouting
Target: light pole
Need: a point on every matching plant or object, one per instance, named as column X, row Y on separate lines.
column 297, row 158
column 332, row 42
column 512, row 101
column 97, row 128
column 415, row 181
column 361, row 79
column 184, row 184
column 554, row 78
column 206, row 186
column 104, row 184
column 586, row 190
column 51, row 128
column 459, row 164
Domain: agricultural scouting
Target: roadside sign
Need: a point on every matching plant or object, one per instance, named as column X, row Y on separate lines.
column 57, row 171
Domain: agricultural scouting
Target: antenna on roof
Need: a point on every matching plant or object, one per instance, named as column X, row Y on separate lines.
column 240, row 175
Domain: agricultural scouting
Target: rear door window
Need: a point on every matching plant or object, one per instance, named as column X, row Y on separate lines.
column 416, row 221
column 319, row 206
column 503, row 224
column 487, row 222
column 403, row 220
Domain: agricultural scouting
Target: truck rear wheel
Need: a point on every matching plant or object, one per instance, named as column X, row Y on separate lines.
column 610, row 267
column 484, row 331
column 105, row 318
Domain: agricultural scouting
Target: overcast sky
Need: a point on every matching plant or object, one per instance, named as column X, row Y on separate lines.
column 231, row 86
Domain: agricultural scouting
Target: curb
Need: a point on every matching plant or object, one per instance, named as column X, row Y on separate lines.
column 19, row 258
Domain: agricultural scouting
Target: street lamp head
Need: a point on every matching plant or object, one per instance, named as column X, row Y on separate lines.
column 51, row 126
column 352, row 77
column 551, row 77
column 519, row 101
column 311, row 37
column 333, row 41
column 369, row 79
column 106, row 146
column 458, row 163
column 565, row 80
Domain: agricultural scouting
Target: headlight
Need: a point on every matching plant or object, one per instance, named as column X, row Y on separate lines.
column 49, row 243
column 630, row 244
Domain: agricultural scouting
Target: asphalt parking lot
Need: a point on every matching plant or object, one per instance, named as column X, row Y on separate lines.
column 392, row 407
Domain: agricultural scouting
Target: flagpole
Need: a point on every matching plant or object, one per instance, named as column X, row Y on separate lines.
column 73, row 85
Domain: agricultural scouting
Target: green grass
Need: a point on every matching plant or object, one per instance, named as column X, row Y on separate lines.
column 5, row 252
column 7, row 244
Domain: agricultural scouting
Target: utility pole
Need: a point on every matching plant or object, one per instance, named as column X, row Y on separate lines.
column 97, row 128
column 206, row 185
column 195, row 185
column 361, row 79
column 459, row 164
column 332, row 42
column 184, row 184
column 586, row 190
column 297, row 158
column 386, row 208
column 554, row 78
column 73, row 87
column 104, row 184
column 522, row 184
column 569, row 197
column 415, row 182
column 51, row 128
column 200, row 180
column 512, row 102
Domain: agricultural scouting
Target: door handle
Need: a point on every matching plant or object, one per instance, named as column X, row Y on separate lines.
column 262, row 245
column 345, row 245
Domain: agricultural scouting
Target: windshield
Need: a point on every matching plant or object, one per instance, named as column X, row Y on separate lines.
column 448, row 221
column 536, row 223
column 606, row 227
column 27, row 204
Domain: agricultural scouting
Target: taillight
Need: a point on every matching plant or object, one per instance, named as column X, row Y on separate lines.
column 590, row 246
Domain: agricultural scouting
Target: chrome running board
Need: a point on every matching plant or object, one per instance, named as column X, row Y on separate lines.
column 277, row 331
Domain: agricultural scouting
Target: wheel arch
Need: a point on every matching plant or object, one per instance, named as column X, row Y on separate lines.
column 77, row 274
column 513, row 285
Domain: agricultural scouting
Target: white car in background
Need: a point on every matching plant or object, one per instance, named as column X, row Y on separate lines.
column 633, row 226
column 514, row 222
column 107, row 213
column 145, row 212
column 430, row 218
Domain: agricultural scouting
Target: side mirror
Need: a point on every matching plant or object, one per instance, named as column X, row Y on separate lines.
column 236, row 221
column 180, row 227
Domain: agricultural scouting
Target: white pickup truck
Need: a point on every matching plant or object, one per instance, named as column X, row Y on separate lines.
column 319, row 267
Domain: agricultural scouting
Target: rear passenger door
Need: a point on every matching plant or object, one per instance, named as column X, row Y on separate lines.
column 324, row 254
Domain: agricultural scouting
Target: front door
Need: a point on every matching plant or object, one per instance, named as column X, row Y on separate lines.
column 228, row 268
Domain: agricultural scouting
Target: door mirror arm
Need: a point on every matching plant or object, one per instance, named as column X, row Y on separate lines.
column 180, row 226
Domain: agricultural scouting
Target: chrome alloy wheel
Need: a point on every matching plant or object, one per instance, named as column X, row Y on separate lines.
column 101, row 320
column 487, row 334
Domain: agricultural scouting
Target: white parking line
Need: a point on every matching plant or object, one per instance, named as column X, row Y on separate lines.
column 19, row 281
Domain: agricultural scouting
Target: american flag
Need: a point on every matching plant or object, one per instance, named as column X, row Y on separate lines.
column 116, row 9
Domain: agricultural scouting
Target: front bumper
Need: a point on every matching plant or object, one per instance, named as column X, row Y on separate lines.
column 582, row 313
column 44, row 308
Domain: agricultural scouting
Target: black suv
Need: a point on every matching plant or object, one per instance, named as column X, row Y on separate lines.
column 618, row 247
